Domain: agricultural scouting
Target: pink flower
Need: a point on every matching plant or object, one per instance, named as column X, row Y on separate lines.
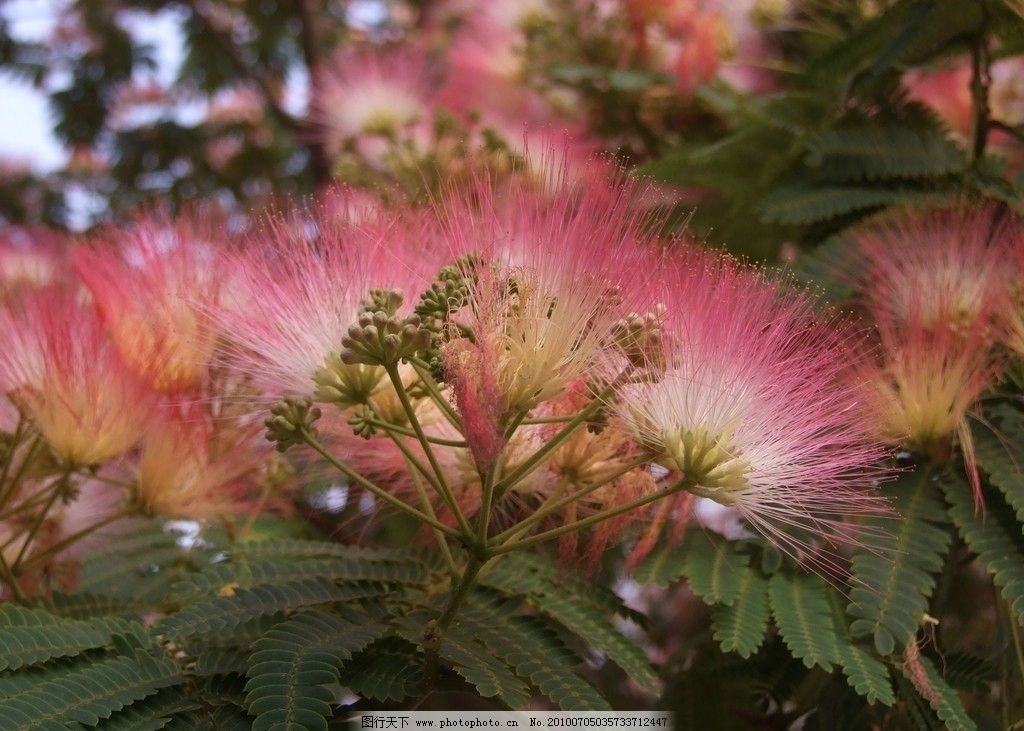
column 151, row 286
column 195, row 466
column 554, row 275
column 68, row 378
column 749, row 405
column 377, row 93
column 301, row 283
column 937, row 286
column 942, row 267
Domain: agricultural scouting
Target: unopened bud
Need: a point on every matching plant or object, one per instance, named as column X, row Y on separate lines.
column 289, row 421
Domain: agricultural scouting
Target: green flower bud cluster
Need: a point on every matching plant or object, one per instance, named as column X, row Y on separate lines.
column 378, row 338
column 289, row 420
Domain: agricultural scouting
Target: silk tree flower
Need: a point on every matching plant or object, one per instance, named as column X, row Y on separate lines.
column 550, row 278
column 67, row 376
column 151, row 283
column 924, row 383
column 195, row 466
column 938, row 268
column 301, row 283
column 29, row 258
column 749, row 404
column 381, row 93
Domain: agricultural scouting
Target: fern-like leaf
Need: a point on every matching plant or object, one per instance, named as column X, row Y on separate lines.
column 532, row 650
column 995, row 537
column 804, row 203
column 883, row 152
column 800, row 606
column 391, row 669
column 939, row 695
column 156, row 712
column 1002, row 456
column 894, row 576
column 662, row 567
column 89, row 694
column 246, row 574
column 29, row 636
column 714, row 569
column 491, row 676
column 740, row 627
column 291, row 665
column 245, row 604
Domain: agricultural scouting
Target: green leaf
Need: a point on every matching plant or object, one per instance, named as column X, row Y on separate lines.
column 391, row 669
column 588, row 622
column 533, row 651
column 995, row 537
column 155, row 712
column 663, row 566
column 1001, row 454
column 246, row 574
column 223, row 613
column 894, row 574
column 293, row 663
column 740, row 627
column 940, row 696
column 490, row 675
column 302, row 549
column 580, row 607
column 713, row 568
column 800, row 606
column 806, row 203
column 882, row 152
column 88, row 694
column 29, row 636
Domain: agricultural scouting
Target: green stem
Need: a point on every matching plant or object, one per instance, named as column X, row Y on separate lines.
column 10, row 579
column 15, row 440
column 556, row 502
column 423, row 371
column 537, row 458
column 469, row 575
column 547, row 420
column 410, row 433
column 59, row 486
column 980, row 82
column 442, row 486
column 1015, row 634
column 8, row 489
column 592, row 520
column 75, row 537
column 428, row 508
column 26, row 503
column 379, row 492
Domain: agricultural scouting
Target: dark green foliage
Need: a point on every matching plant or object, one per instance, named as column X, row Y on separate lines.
column 533, row 650
column 30, row 636
column 895, row 574
column 994, row 536
column 291, row 665
column 245, row 604
column 740, row 627
column 934, row 689
column 389, row 669
column 88, row 694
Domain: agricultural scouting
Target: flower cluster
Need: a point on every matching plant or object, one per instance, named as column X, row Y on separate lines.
column 509, row 364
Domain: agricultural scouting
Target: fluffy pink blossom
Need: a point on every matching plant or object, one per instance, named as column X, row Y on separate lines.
column 748, row 402
column 940, row 267
column 151, row 283
column 372, row 98
column 300, row 284
column 69, row 379
column 554, row 274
